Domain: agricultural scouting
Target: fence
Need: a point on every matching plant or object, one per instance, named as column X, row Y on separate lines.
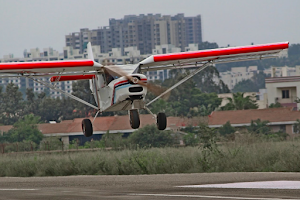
column 51, row 146
column 33, row 147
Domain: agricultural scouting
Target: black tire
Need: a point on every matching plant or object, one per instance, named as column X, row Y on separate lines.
column 161, row 121
column 134, row 119
column 87, row 128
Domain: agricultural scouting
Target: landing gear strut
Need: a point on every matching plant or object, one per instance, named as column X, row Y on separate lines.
column 161, row 121
column 87, row 127
column 134, row 118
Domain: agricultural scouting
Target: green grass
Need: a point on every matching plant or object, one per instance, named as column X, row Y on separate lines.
column 240, row 156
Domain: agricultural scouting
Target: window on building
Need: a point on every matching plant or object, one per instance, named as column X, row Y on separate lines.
column 285, row 94
column 282, row 128
column 296, row 128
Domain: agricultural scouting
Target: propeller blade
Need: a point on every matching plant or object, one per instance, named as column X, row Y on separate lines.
column 157, row 90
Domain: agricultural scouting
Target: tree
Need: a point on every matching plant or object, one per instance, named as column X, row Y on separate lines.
column 296, row 126
column 67, row 109
column 81, row 89
column 186, row 99
column 275, row 105
column 251, row 85
column 226, row 129
column 209, row 81
column 207, row 136
column 239, row 102
column 259, row 127
column 207, row 45
column 151, row 136
column 1, row 107
column 12, row 104
column 245, row 86
column 49, row 109
column 113, row 140
column 25, row 130
column 191, row 139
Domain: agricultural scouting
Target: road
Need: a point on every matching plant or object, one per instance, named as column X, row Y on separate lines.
column 162, row 186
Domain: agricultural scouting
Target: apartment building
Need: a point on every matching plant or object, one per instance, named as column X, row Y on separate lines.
column 284, row 90
column 142, row 31
column 32, row 55
column 237, row 74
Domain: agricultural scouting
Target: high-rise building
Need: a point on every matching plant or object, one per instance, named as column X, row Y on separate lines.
column 142, row 31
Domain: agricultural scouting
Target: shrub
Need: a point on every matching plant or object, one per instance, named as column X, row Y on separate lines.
column 150, row 136
column 226, row 129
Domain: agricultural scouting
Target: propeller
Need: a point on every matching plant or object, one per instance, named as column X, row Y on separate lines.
column 153, row 88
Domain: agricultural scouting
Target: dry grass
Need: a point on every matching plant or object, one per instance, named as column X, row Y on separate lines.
column 244, row 155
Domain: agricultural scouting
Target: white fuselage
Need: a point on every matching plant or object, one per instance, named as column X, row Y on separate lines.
column 118, row 94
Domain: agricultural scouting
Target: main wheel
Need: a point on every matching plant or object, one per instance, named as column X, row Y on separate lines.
column 134, row 119
column 161, row 121
column 87, row 127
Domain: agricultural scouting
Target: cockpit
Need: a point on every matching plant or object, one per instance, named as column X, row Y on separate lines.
column 109, row 78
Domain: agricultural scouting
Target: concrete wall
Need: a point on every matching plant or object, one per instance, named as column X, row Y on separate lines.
column 275, row 91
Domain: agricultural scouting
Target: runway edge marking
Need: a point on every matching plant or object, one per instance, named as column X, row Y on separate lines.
column 203, row 196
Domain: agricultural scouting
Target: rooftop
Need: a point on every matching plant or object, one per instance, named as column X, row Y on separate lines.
column 273, row 115
column 103, row 124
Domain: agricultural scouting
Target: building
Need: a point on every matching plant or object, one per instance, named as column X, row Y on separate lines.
column 47, row 54
column 142, row 31
column 280, row 119
column 70, row 130
column 282, row 71
column 283, row 90
column 237, row 74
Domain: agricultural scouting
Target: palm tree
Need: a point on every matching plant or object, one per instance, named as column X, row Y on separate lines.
column 239, row 102
column 259, row 127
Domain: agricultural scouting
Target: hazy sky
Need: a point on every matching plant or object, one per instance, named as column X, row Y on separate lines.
column 26, row 24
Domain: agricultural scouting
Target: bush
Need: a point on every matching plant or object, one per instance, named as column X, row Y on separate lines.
column 258, row 156
column 25, row 129
column 150, row 136
column 226, row 129
column 191, row 139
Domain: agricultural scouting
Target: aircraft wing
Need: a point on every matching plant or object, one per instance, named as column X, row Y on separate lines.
column 221, row 55
column 49, row 66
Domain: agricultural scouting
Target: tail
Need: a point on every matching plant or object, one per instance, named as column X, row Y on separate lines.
column 90, row 51
column 91, row 55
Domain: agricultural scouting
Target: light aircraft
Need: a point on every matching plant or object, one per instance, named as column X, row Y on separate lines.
column 124, row 87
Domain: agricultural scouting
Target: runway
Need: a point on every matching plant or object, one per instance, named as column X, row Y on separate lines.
column 238, row 186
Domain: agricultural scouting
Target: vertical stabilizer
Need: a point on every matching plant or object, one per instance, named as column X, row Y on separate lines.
column 90, row 51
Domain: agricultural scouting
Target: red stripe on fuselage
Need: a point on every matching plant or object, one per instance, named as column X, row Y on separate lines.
column 221, row 52
column 41, row 65
column 116, row 84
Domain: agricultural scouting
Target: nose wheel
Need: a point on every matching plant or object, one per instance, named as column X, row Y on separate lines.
column 134, row 118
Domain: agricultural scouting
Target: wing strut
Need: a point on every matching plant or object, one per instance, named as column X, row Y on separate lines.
column 64, row 92
column 182, row 81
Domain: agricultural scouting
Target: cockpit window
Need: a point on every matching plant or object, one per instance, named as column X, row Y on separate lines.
column 109, row 78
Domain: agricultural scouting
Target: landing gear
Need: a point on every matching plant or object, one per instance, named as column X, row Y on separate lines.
column 161, row 121
column 134, row 118
column 87, row 127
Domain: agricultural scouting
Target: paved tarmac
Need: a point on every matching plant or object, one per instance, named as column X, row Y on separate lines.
column 162, row 186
